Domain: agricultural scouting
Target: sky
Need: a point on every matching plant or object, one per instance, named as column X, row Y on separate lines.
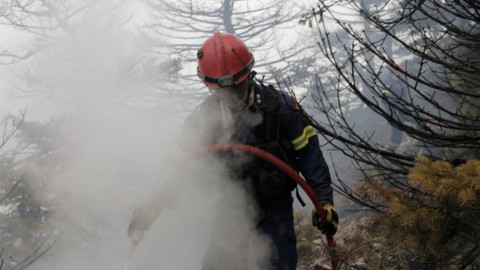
column 101, row 43
column 42, row 107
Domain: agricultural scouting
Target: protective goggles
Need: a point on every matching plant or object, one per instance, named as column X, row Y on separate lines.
column 228, row 80
column 235, row 89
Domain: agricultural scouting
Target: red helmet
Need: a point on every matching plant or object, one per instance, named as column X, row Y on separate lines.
column 224, row 60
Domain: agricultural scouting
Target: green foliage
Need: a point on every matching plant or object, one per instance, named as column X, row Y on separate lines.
column 437, row 217
column 32, row 160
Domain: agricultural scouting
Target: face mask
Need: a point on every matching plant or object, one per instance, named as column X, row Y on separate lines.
column 233, row 96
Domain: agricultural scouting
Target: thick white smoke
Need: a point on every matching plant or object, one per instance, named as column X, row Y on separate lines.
column 114, row 156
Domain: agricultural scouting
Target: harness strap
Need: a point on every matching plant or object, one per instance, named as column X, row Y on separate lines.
column 271, row 130
column 299, row 198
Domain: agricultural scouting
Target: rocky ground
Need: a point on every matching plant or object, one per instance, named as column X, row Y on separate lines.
column 314, row 254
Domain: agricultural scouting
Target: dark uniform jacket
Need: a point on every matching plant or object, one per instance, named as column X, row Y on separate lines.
column 269, row 123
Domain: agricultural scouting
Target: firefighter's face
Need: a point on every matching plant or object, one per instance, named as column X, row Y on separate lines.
column 235, row 96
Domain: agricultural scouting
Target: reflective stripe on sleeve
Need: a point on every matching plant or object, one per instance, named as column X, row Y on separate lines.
column 302, row 140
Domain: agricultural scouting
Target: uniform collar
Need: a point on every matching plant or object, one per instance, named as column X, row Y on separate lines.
column 259, row 96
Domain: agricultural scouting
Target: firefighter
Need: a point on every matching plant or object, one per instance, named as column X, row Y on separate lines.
column 243, row 110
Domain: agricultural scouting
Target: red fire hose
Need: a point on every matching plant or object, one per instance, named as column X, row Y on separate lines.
column 287, row 170
column 229, row 147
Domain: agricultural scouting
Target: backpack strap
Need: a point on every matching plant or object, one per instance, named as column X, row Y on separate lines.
column 269, row 130
column 272, row 128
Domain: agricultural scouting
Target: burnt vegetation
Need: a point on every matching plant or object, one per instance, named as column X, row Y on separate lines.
column 401, row 101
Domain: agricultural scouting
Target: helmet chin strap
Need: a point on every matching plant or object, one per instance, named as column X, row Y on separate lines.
column 249, row 99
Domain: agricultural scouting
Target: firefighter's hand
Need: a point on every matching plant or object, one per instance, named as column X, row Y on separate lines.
column 329, row 225
column 141, row 221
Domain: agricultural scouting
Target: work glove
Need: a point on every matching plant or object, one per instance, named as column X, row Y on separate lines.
column 141, row 221
column 328, row 226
